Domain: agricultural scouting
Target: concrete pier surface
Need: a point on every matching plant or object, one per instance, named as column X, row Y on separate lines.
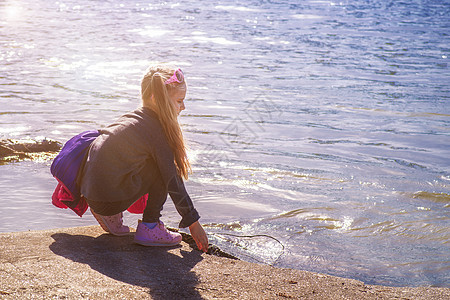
column 87, row 263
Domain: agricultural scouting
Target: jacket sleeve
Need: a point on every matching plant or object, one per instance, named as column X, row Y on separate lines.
column 164, row 158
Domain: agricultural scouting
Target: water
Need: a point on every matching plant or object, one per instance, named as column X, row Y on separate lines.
column 318, row 130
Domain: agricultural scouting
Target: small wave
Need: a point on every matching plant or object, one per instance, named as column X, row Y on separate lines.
column 296, row 212
column 150, row 31
column 435, row 197
column 361, row 143
column 306, row 17
column 412, row 230
column 431, row 196
column 228, row 226
column 237, row 8
column 391, row 112
column 402, row 162
column 215, row 40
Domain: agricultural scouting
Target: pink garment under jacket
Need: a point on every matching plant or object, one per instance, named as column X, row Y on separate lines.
column 61, row 194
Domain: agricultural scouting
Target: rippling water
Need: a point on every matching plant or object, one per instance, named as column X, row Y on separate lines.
column 318, row 130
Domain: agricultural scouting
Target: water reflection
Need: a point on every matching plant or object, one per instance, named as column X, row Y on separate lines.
column 11, row 11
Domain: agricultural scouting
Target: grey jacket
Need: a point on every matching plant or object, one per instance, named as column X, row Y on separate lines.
column 122, row 160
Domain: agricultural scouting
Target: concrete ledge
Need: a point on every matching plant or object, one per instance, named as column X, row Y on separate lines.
column 85, row 262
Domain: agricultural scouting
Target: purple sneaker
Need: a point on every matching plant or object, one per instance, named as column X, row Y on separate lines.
column 158, row 236
column 112, row 224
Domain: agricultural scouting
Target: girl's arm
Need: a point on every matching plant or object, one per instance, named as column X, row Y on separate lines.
column 164, row 158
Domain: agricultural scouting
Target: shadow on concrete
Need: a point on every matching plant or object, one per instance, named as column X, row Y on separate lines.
column 167, row 275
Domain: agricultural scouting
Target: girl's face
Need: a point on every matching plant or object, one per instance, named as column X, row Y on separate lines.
column 177, row 96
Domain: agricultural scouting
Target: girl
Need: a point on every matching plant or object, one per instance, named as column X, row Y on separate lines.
column 143, row 153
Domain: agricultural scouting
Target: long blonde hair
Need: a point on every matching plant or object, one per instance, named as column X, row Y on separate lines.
column 155, row 95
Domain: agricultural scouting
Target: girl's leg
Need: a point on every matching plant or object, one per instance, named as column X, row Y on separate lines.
column 156, row 235
column 157, row 196
column 107, row 208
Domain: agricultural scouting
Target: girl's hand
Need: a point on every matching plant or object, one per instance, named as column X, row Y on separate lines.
column 199, row 236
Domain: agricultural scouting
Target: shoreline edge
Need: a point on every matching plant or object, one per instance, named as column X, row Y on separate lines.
column 87, row 263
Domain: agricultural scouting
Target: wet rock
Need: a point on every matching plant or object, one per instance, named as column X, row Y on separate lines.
column 44, row 145
column 17, row 150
